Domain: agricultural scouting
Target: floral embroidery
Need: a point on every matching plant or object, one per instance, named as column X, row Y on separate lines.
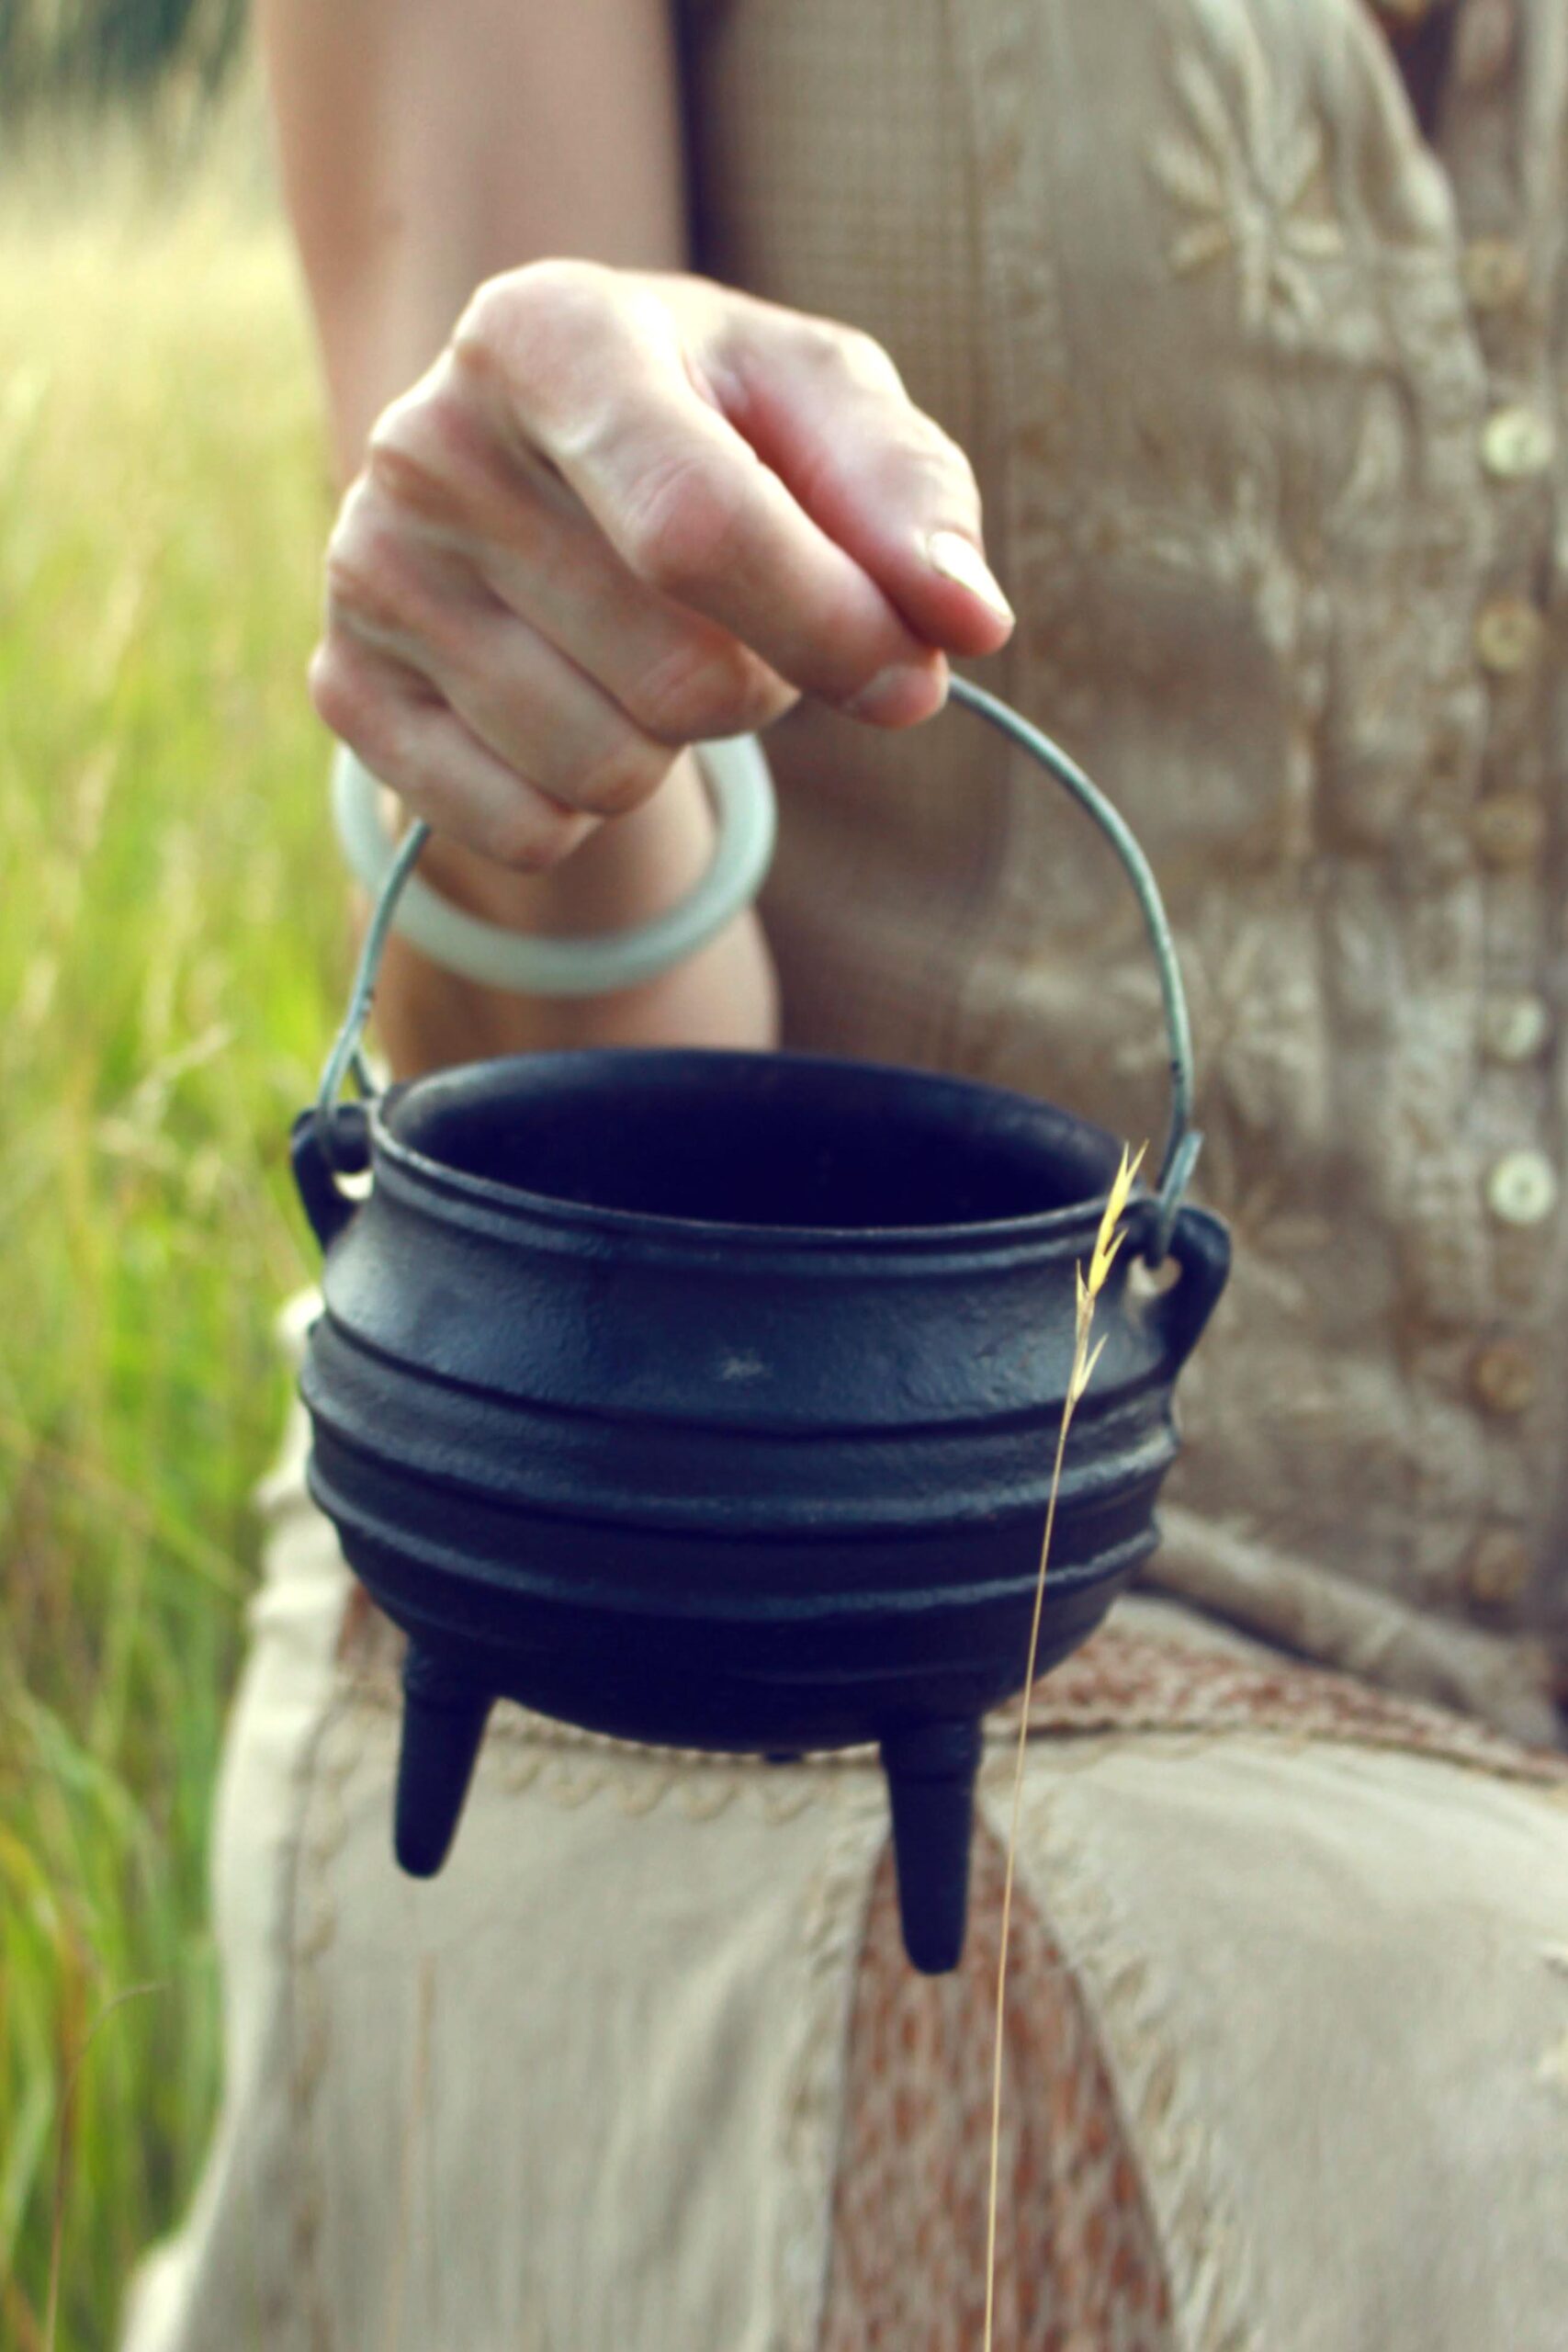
column 1248, row 174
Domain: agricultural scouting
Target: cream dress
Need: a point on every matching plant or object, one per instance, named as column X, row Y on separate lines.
column 1266, row 393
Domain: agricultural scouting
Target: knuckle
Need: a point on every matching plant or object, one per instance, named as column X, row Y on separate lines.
column 357, row 561
column 683, row 528
column 417, row 443
column 921, row 463
column 525, row 324
column 868, row 362
column 489, row 318
column 529, row 835
column 623, row 779
column 480, row 321
column 945, row 453
column 700, row 691
column 848, row 352
column 342, row 699
column 374, row 578
column 817, row 342
column 535, row 290
column 558, row 284
column 951, row 464
column 362, row 591
column 353, row 587
column 363, row 711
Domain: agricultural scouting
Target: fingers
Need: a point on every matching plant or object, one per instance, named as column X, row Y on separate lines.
column 400, row 590
column 622, row 515
column 408, row 590
column 518, row 532
column 824, row 408
column 594, row 375
column 412, row 741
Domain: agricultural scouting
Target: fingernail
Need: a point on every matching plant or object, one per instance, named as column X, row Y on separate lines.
column 959, row 559
column 897, row 697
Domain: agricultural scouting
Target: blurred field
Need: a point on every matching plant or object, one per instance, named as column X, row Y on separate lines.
column 170, row 963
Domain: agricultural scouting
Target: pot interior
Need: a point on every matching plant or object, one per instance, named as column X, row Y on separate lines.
column 778, row 1140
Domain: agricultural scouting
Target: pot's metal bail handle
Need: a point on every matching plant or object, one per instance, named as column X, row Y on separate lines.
column 332, row 1140
column 1183, row 1142
column 735, row 773
column 347, row 1055
column 345, row 1153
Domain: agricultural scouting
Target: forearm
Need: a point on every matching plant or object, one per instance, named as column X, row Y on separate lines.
column 425, row 150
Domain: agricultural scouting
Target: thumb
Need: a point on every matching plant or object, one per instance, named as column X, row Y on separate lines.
column 824, row 408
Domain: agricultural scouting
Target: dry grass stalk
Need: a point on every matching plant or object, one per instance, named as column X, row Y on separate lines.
column 1108, row 1243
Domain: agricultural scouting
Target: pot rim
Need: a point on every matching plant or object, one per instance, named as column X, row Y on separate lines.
column 1058, row 1226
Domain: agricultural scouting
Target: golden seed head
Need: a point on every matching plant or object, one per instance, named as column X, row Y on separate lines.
column 1109, row 1239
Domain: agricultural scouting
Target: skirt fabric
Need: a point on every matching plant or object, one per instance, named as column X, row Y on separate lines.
column 1287, row 2039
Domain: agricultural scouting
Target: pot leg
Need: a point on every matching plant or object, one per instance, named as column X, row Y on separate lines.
column 932, row 1771
column 444, row 1721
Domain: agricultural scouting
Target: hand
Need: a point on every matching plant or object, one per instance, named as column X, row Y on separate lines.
column 627, row 513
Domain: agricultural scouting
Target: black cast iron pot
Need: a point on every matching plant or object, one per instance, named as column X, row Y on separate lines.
column 711, row 1399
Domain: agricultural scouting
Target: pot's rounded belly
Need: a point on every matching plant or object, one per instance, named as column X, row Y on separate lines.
column 740, row 1587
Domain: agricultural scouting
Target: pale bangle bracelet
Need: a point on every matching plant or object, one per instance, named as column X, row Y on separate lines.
column 736, row 771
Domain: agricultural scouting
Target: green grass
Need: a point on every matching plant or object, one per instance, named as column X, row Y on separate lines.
column 171, row 961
